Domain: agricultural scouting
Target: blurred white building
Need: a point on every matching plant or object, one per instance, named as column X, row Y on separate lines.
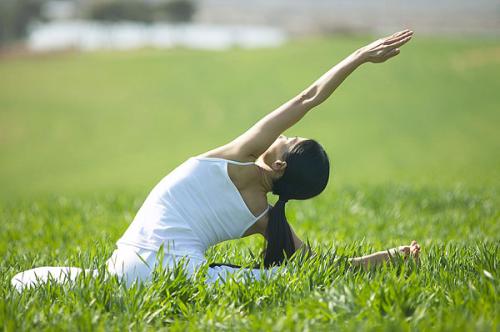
column 301, row 17
column 88, row 36
column 221, row 24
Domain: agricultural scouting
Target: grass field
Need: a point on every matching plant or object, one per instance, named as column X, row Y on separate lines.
column 414, row 147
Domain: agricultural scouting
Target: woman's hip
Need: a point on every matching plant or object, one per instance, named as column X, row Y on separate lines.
column 137, row 264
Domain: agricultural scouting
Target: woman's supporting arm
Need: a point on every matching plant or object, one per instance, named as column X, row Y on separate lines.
column 385, row 256
column 256, row 140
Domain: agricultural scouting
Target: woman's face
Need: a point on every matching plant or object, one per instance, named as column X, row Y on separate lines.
column 282, row 145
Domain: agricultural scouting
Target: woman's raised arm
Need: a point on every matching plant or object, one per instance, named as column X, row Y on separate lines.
column 378, row 51
column 256, row 140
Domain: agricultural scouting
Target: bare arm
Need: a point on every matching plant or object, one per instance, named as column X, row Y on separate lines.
column 385, row 256
column 256, row 140
column 378, row 51
column 374, row 259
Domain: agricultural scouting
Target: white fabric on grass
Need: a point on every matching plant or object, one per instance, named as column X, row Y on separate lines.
column 41, row 275
column 132, row 264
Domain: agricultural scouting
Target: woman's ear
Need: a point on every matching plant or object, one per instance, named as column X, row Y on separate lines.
column 279, row 165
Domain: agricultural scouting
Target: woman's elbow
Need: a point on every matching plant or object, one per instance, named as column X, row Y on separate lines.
column 308, row 99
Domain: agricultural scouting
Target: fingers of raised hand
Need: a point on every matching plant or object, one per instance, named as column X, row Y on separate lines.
column 406, row 34
column 399, row 33
column 396, row 43
column 400, row 42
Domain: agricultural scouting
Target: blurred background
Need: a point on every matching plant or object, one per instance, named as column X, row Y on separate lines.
column 106, row 96
column 43, row 25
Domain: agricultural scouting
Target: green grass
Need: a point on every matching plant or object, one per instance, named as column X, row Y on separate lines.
column 414, row 149
column 455, row 288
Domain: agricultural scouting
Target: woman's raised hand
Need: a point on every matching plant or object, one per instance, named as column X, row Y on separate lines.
column 385, row 48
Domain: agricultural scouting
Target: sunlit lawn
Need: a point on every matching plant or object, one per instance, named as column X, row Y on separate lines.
column 414, row 147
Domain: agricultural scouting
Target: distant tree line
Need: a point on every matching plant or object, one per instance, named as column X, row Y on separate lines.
column 16, row 15
column 132, row 10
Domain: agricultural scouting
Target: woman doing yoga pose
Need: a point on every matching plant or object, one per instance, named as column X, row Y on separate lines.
column 222, row 194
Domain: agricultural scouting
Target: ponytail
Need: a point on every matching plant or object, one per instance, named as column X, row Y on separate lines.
column 279, row 235
column 305, row 176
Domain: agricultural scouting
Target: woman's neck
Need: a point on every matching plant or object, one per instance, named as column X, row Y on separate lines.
column 265, row 179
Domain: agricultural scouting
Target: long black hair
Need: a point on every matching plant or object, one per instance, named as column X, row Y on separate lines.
column 306, row 175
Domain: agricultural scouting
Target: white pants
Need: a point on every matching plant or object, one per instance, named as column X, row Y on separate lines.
column 132, row 264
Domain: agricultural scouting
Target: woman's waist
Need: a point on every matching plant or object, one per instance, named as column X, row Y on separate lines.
column 176, row 247
column 174, row 236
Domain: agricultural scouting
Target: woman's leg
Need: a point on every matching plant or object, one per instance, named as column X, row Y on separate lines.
column 132, row 264
column 41, row 275
column 128, row 262
column 136, row 264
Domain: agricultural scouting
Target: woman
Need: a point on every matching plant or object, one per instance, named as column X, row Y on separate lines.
column 221, row 194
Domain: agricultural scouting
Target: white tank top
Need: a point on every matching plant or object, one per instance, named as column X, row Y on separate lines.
column 195, row 206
